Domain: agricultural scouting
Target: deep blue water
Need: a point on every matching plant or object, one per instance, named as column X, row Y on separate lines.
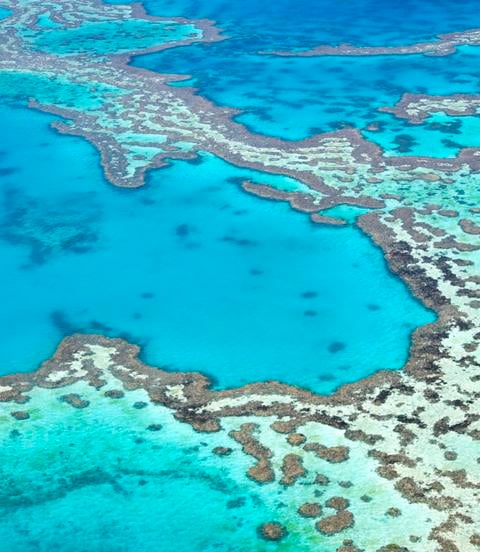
column 203, row 275
column 298, row 97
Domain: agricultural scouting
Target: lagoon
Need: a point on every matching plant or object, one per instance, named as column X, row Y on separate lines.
column 202, row 275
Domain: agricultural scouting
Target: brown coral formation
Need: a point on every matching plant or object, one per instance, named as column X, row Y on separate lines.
column 75, row 400
column 337, row 503
column 296, row 439
column 261, row 471
column 272, row 531
column 337, row 523
column 222, row 451
column 114, row 394
column 20, row 415
column 348, row 546
column 330, row 454
column 292, row 469
column 310, row 510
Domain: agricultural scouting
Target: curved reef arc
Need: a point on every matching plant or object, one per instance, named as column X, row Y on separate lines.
column 391, row 415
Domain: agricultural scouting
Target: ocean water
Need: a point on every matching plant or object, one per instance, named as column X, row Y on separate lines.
column 203, row 275
column 294, row 98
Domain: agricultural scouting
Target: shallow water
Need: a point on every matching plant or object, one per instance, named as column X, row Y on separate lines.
column 122, row 474
column 109, row 36
column 219, row 281
column 121, row 486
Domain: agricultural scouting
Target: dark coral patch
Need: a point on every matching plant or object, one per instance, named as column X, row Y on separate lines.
column 404, row 143
column 114, row 394
column 336, row 346
column 154, row 427
column 20, row 415
column 97, row 326
column 75, row 400
column 272, row 531
column 60, row 321
column 236, row 503
column 182, row 230
column 326, row 377
column 309, row 295
column 7, row 171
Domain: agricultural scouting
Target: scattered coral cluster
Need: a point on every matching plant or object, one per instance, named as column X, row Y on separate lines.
column 383, row 465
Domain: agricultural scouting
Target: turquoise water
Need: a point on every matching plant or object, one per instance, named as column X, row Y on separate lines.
column 109, row 36
column 439, row 136
column 124, row 475
column 204, row 276
column 293, row 98
column 298, row 97
column 106, row 482
column 52, row 90
column 45, row 20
